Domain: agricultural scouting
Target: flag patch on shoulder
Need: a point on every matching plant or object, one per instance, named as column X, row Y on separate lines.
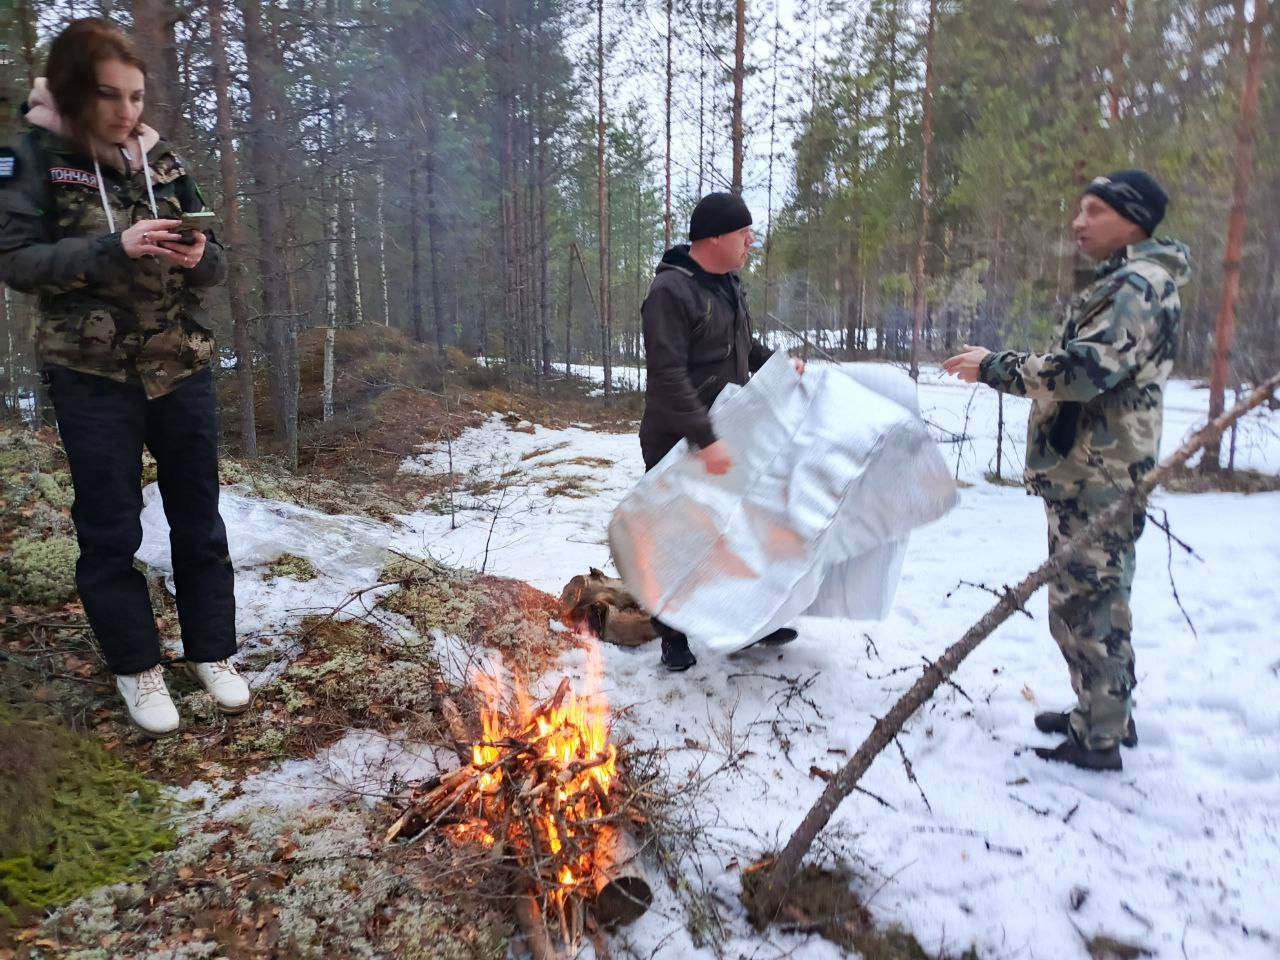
column 8, row 163
column 73, row 176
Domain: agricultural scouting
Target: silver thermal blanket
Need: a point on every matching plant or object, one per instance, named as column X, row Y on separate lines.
column 831, row 472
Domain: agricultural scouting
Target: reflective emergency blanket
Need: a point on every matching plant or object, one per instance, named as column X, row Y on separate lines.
column 831, row 472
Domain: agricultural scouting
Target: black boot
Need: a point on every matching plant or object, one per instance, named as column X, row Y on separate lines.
column 1053, row 722
column 779, row 637
column 676, row 655
column 1073, row 752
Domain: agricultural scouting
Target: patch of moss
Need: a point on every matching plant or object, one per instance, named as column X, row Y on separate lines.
column 291, row 566
column 55, row 489
column 39, row 570
column 575, row 488
column 72, row 817
column 484, row 610
column 823, row 901
column 23, row 452
column 1001, row 481
column 438, row 932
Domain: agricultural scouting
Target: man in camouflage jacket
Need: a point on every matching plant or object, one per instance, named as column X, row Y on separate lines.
column 1094, row 431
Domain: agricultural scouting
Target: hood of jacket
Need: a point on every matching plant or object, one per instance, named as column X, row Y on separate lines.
column 43, row 112
column 679, row 258
column 1173, row 256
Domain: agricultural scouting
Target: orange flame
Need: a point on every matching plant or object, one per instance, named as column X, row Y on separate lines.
column 574, row 736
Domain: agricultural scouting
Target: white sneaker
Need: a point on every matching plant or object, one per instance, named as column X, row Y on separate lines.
column 224, row 683
column 150, row 706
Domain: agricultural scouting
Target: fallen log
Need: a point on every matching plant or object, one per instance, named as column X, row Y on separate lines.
column 622, row 890
column 768, row 899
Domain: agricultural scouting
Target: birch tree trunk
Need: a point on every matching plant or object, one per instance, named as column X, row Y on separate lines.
column 602, row 188
column 739, row 76
column 666, row 190
column 922, row 239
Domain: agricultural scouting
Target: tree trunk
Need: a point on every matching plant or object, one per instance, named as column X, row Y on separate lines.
column 332, row 199
column 237, row 280
column 415, row 244
column 382, row 235
column 666, row 193
column 153, row 34
column 586, row 282
column 606, row 331
column 739, row 76
column 568, row 319
column 1115, row 88
column 785, row 867
column 1225, row 327
column 922, row 239
column 27, row 29
column 433, row 236
column 702, row 97
column 330, row 294
column 544, row 246
column 773, row 125
column 268, row 162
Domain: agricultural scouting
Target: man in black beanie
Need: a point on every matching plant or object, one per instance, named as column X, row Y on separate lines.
column 697, row 338
column 1094, row 431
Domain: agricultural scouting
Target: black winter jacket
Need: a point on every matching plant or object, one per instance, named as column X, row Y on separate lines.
column 697, row 338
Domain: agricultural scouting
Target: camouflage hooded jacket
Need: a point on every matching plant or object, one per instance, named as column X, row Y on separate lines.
column 1098, row 408
column 135, row 321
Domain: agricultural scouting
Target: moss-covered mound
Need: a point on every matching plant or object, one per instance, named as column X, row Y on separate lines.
column 488, row 611
column 72, row 817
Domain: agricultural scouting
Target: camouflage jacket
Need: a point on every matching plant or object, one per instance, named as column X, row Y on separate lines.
column 136, row 321
column 1098, row 408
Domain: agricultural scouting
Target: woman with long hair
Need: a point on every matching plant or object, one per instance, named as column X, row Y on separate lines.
column 92, row 206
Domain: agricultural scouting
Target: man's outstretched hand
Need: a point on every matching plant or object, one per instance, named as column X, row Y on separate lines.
column 965, row 365
column 716, row 458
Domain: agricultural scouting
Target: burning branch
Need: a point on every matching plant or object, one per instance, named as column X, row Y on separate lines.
column 539, row 792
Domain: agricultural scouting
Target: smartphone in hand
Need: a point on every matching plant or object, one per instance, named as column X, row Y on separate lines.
column 191, row 222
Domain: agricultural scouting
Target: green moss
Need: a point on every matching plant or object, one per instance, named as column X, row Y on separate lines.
column 22, row 452
column 291, row 566
column 72, row 818
column 39, row 570
column 55, row 489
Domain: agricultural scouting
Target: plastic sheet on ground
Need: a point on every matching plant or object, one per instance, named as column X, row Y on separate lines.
column 831, row 473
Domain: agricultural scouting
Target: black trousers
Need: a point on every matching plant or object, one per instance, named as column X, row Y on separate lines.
column 104, row 425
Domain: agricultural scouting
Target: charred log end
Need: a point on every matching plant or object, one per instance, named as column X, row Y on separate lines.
column 622, row 890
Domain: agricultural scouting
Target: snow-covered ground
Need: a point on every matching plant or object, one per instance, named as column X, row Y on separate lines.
column 1179, row 853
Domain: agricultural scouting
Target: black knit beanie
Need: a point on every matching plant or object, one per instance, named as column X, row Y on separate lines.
column 1134, row 195
column 718, row 213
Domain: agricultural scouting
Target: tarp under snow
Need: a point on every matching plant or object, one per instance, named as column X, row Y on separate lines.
column 831, row 472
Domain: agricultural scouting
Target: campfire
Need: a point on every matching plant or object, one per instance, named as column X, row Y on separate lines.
column 539, row 793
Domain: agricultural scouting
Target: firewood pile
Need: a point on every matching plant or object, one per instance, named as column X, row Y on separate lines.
column 539, row 794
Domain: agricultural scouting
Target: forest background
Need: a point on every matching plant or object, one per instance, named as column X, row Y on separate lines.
column 500, row 177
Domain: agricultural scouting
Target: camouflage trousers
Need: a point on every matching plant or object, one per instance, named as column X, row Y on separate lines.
column 1090, row 620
